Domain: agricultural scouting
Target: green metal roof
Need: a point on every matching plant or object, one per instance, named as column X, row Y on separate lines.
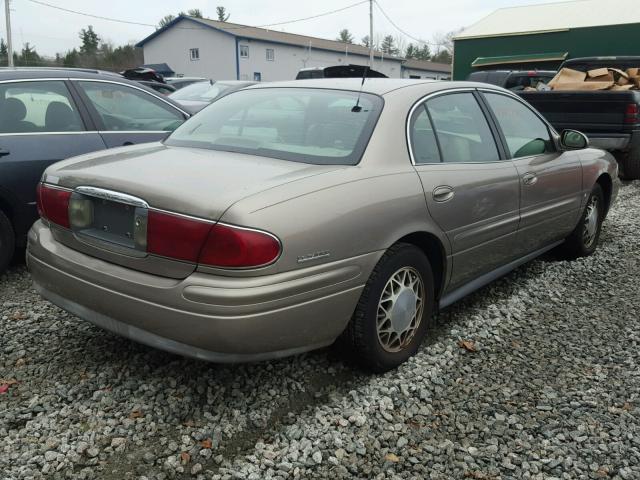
column 529, row 57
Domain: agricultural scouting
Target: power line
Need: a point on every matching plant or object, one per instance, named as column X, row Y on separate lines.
column 129, row 22
column 403, row 31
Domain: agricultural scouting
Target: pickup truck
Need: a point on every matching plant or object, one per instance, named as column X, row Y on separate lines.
column 611, row 119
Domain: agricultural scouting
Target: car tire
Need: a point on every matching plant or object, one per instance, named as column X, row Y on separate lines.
column 7, row 242
column 583, row 241
column 630, row 163
column 380, row 341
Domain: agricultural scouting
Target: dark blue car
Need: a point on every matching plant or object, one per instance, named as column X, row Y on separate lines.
column 47, row 115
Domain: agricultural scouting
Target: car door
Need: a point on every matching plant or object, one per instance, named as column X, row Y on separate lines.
column 126, row 114
column 40, row 123
column 471, row 189
column 550, row 180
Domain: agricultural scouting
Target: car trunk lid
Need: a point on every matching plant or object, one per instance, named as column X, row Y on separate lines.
column 120, row 187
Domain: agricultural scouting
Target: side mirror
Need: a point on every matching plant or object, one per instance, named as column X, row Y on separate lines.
column 573, row 140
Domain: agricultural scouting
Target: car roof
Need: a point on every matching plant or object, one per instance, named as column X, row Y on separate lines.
column 376, row 86
column 7, row 73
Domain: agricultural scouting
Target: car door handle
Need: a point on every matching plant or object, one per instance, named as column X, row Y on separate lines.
column 529, row 179
column 4, row 152
column 443, row 193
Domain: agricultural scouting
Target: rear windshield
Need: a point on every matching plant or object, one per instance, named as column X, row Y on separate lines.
column 201, row 91
column 298, row 124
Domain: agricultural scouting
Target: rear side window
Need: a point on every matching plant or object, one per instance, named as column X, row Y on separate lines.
column 37, row 107
column 123, row 108
column 525, row 133
column 423, row 140
column 462, row 129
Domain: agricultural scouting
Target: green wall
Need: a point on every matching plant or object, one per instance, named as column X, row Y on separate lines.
column 579, row 42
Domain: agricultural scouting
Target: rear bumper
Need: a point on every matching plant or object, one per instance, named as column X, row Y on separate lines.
column 215, row 318
column 614, row 141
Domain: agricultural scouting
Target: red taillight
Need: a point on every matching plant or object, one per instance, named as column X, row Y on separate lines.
column 53, row 204
column 631, row 113
column 198, row 241
column 235, row 247
column 175, row 236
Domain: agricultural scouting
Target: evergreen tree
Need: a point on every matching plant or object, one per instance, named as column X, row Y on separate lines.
column 223, row 16
column 166, row 20
column 389, row 45
column 90, row 41
column 345, row 36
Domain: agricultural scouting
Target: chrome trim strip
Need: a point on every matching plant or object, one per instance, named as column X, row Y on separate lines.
column 26, row 134
column 112, row 195
column 103, row 132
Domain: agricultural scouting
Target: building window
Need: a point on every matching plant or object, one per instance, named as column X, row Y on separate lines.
column 244, row 51
column 194, row 53
column 270, row 55
column 257, row 77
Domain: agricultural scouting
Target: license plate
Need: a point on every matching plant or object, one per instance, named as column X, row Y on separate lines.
column 109, row 217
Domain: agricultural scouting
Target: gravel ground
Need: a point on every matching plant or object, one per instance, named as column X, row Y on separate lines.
column 535, row 376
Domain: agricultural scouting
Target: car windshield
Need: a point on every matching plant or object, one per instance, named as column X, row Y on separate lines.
column 298, row 124
column 201, row 91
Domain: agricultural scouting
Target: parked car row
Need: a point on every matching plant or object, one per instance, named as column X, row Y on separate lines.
column 287, row 216
column 47, row 115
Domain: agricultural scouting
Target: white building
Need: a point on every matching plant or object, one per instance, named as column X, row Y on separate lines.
column 225, row 51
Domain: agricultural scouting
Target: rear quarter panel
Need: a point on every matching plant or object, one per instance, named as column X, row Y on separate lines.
column 351, row 211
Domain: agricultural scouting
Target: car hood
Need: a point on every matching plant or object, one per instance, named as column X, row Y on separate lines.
column 193, row 181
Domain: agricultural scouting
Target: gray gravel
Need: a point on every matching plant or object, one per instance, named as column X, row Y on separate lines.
column 547, row 387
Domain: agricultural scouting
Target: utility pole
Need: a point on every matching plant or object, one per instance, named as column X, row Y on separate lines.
column 7, row 13
column 370, row 33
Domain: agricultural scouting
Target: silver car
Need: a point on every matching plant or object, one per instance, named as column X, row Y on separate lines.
column 287, row 216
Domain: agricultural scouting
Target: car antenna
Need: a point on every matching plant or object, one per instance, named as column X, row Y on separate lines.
column 357, row 108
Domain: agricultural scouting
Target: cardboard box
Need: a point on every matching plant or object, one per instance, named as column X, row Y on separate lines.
column 597, row 72
column 567, row 75
column 632, row 72
column 608, row 77
column 629, row 86
column 583, row 86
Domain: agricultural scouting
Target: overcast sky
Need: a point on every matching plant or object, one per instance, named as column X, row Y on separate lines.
column 54, row 31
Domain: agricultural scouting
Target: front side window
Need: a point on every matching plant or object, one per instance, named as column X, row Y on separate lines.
column 244, row 51
column 124, row 108
column 194, row 53
column 31, row 107
column 525, row 133
column 270, row 55
column 463, row 133
column 297, row 124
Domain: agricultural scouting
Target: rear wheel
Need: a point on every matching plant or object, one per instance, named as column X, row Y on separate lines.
column 394, row 311
column 584, row 238
column 630, row 163
column 7, row 241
